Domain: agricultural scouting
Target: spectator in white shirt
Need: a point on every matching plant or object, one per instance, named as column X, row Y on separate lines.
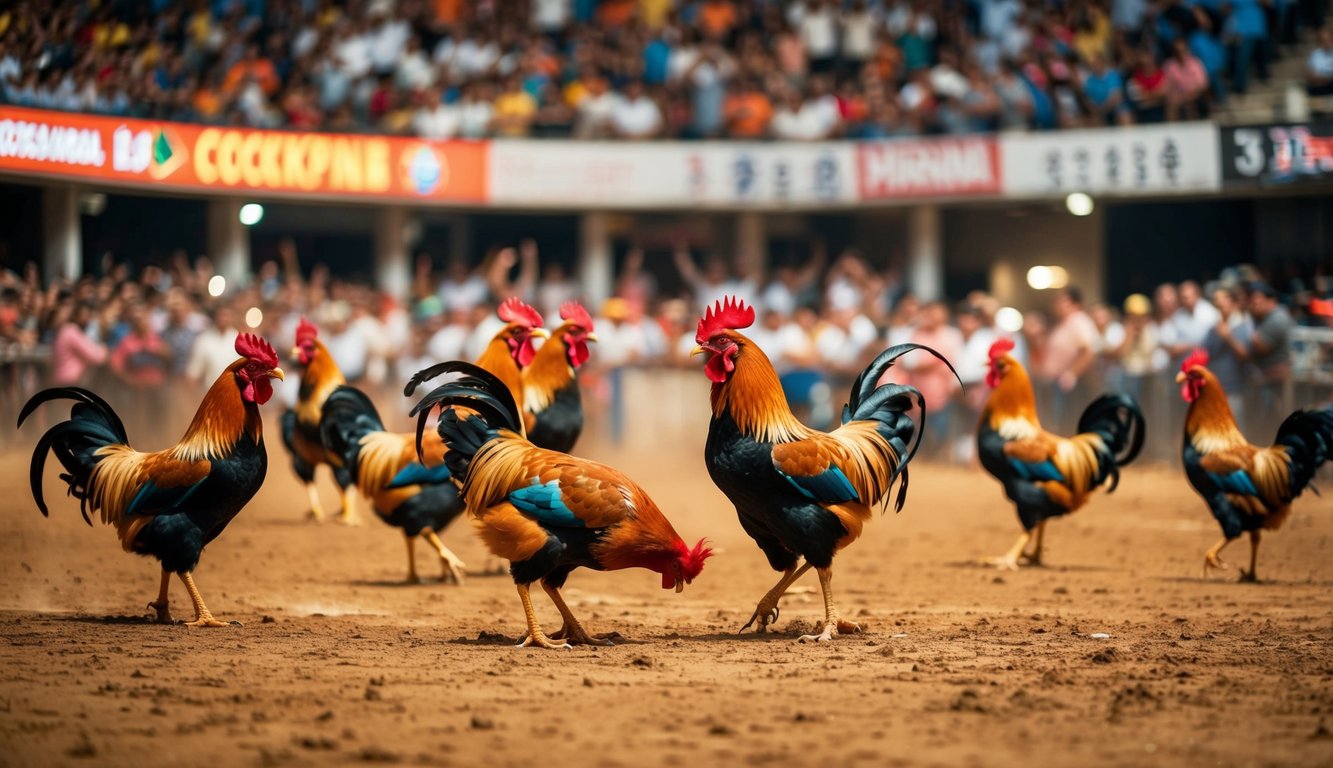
column 802, row 119
column 475, row 112
column 635, row 115
column 415, row 70
column 818, row 24
column 860, row 27
column 214, row 349
column 441, row 121
column 1193, row 320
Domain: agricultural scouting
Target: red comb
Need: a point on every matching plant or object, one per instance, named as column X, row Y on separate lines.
column 692, row 560
column 573, row 312
column 729, row 314
column 1000, row 348
column 305, row 332
column 253, row 347
column 1197, row 357
column 513, row 310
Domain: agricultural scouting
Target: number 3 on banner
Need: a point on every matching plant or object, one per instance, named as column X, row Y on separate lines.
column 1249, row 159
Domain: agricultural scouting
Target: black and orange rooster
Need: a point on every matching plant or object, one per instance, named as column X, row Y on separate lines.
column 800, row 493
column 548, row 513
column 413, row 494
column 1247, row 488
column 300, row 425
column 1046, row 475
column 551, row 396
column 172, row 503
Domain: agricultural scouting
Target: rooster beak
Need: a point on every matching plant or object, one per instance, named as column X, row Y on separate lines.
column 592, row 337
column 699, row 350
column 540, row 333
column 680, row 585
column 1180, row 377
column 278, row 374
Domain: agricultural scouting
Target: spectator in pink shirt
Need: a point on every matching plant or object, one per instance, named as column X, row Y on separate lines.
column 1071, row 349
column 73, row 352
column 140, row 359
column 932, row 377
column 1186, row 84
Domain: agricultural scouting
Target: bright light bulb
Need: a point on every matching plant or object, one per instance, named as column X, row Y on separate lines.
column 1040, row 278
column 1079, row 203
column 254, row 316
column 251, row 214
column 1009, row 319
column 217, row 285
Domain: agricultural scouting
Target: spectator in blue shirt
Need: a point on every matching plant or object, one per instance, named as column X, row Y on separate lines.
column 1246, row 29
column 1103, row 88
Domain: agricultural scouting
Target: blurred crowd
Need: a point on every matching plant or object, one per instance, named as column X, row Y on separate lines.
column 169, row 330
column 640, row 69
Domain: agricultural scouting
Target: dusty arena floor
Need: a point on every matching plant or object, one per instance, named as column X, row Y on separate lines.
column 336, row 661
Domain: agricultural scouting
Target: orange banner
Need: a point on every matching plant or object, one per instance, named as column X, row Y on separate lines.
column 242, row 160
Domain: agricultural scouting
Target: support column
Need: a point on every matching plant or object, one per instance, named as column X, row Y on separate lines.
column 62, row 240
column 229, row 241
column 925, row 253
column 460, row 238
column 751, row 240
column 595, row 263
column 393, row 259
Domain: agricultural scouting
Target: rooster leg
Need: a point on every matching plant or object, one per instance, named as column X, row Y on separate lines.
column 572, row 632
column 453, row 565
column 316, row 511
column 767, row 611
column 348, row 515
column 1213, row 557
column 535, row 635
column 202, row 618
column 412, row 577
column 163, row 612
column 1251, row 575
column 832, row 624
column 1035, row 557
column 1009, row 560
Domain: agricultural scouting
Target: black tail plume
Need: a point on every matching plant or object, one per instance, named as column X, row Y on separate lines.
column 1118, row 419
column 92, row 424
column 347, row 416
column 478, row 390
column 1308, row 438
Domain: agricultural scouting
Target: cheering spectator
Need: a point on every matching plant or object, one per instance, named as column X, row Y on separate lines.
column 635, row 116
column 514, row 109
column 747, row 111
column 1186, row 84
column 1319, row 66
column 1104, row 90
column 73, row 353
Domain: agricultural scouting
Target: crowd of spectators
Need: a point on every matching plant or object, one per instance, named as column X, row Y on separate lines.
column 747, row 69
column 161, row 336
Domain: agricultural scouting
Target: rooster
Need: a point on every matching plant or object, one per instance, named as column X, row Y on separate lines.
column 169, row 504
column 800, row 494
column 414, row 495
column 1246, row 487
column 300, row 425
column 1045, row 475
column 548, row 513
column 551, row 397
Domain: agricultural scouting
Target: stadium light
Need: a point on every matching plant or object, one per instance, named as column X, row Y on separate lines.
column 1009, row 319
column 251, row 214
column 1079, row 203
column 254, row 316
column 1042, row 278
column 217, row 285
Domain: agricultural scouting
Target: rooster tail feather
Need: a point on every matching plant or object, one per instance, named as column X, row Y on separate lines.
column 92, row 425
column 1308, row 439
column 492, row 408
column 424, row 375
column 864, row 385
column 347, row 416
column 1119, row 421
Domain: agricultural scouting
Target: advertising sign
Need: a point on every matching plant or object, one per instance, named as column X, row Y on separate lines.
column 225, row 159
column 1277, row 154
column 1156, row 159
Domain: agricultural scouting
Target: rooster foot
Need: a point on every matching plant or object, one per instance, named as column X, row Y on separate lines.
column 830, row 628
column 542, row 641
column 454, row 571
column 412, row 578
column 765, row 614
column 1031, row 560
column 1002, row 563
column 846, row 627
column 1211, row 561
column 163, row 613
column 579, row 636
column 349, row 519
column 1248, row 577
column 314, row 515
column 208, row 621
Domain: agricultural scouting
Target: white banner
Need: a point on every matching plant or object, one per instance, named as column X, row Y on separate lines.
column 641, row 175
column 1156, row 159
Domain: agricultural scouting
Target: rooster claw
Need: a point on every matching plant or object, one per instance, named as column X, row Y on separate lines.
column 542, row 641
column 769, row 617
column 1248, row 577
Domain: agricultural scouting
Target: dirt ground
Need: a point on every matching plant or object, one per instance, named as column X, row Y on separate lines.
column 337, row 662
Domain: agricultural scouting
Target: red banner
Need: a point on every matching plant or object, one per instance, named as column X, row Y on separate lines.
column 928, row 168
column 225, row 159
